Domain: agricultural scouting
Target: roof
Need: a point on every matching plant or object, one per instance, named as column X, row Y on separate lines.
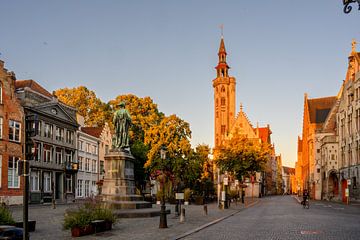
column 32, row 85
column 222, row 46
column 319, row 108
column 93, row 131
column 289, row 170
column 264, row 134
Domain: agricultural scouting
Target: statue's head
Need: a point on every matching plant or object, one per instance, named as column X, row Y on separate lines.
column 121, row 104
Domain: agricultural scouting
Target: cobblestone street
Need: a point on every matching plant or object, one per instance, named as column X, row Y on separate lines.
column 49, row 222
column 281, row 217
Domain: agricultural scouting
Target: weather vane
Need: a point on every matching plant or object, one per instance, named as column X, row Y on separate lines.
column 347, row 7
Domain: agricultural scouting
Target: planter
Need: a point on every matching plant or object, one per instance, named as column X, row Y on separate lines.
column 101, row 225
column 82, row 231
column 158, row 202
column 31, row 225
column 186, row 203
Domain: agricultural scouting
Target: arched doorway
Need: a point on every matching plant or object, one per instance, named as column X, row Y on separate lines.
column 333, row 185
column 343, row 189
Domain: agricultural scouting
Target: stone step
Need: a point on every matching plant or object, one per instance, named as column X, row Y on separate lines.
column 128, row 204
column 114, row 197
column 138, row 213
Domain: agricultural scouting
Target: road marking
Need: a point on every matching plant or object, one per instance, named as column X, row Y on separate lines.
column 310, row 232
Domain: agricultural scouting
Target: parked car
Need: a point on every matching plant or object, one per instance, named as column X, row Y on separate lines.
column 10, row 233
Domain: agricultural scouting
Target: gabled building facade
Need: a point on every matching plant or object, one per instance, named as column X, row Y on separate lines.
column 12, row 137
column 54, row 165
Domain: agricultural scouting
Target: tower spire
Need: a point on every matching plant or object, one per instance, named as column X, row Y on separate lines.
column 222, row 67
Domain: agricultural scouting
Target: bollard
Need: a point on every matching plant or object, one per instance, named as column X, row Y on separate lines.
column 182, row 215
column 177, row 209
column 205, row 210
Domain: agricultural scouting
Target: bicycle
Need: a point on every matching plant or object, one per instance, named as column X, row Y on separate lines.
column 306, row 204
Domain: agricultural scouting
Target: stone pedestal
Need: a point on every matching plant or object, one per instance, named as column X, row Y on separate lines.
column 118, row 189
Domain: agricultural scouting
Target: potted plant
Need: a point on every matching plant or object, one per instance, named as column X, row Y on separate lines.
column 79, row 221
column 5, row 216
column 187, row 193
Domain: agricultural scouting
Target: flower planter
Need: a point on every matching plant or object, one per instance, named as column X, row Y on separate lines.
column 101, row 225
column 82, row 231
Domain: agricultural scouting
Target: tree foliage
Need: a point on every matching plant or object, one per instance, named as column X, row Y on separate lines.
column 242, row 156
column 95, row 112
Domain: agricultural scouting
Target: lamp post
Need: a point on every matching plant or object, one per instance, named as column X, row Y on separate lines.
column 163, row 220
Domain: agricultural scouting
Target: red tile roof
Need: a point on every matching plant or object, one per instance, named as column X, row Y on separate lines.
column 93, row 131
column 32, row 85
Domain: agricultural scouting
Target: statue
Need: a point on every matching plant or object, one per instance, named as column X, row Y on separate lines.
column 121, row 121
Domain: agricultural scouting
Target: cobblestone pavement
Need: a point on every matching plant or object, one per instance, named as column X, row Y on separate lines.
column 49, row 222
column 282, row 217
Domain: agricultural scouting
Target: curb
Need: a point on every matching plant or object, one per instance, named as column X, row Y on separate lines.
column 213, row 222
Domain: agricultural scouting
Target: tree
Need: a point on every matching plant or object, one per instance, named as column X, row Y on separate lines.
column 94, row 111
column 241, row 156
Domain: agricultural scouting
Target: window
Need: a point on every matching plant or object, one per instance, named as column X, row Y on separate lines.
column 14, row 131
column 58, row 156
column 59, row 134
column 68, row 184
column 47, row 182
column 106, row 149
column 354, row 182
column 13, row 178
column 87, row 164
column 81, row 145
column 93, row 187
column 80, row 188
column 1, row 127
column 81, row 163
column 48, row 132
column 47, row 157
column 0, row 169
column 87, row 190
column 94, row 150
column 102, row 167
column 87, row 148
column 93, row 166
column 222, row 101
column 69, row 137
column 349, row 123
column 68, row 156
column 38, row 152
column 222, row 129
column 34, row 181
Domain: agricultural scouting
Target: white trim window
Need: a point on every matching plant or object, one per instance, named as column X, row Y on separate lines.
column 1, row 127
column 68, row 156
column 87, row 165
column 14, row 131
column 80, row 188
column 34, row 181
column 81, row 163
column 93, row 166
column 48, row 131
column 47, row 157
column 58, row 156
column 59, row 134
column 87, row 188
column 0, row 169
column 69, row 187
column 81, row 145
column 13, row 178
column 47, row 182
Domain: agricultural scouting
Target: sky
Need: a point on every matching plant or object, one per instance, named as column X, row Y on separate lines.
column 277, row 50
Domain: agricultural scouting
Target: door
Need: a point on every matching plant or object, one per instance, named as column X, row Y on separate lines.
column 343, row 187
column 58, row 185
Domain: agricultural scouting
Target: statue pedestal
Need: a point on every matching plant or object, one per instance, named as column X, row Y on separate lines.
column 118, row 189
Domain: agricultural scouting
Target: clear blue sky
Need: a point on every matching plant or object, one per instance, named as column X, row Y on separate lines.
column 277, row 50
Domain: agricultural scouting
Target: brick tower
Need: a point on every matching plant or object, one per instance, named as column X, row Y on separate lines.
column 224, row 97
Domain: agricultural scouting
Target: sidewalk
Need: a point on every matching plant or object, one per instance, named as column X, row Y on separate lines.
column 49, row 222
column 354, row 205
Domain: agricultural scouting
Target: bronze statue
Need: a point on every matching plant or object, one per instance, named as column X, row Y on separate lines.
column 121, row 121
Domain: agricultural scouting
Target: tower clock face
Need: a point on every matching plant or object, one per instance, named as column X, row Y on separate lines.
column 54, row 111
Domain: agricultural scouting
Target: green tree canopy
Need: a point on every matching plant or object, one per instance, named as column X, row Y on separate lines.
column 242, row 156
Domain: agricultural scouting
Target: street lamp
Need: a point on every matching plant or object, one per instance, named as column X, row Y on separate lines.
column 347, row 7
column 163, row 220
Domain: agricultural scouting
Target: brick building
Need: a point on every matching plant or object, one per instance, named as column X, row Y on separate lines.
column 11, row 139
